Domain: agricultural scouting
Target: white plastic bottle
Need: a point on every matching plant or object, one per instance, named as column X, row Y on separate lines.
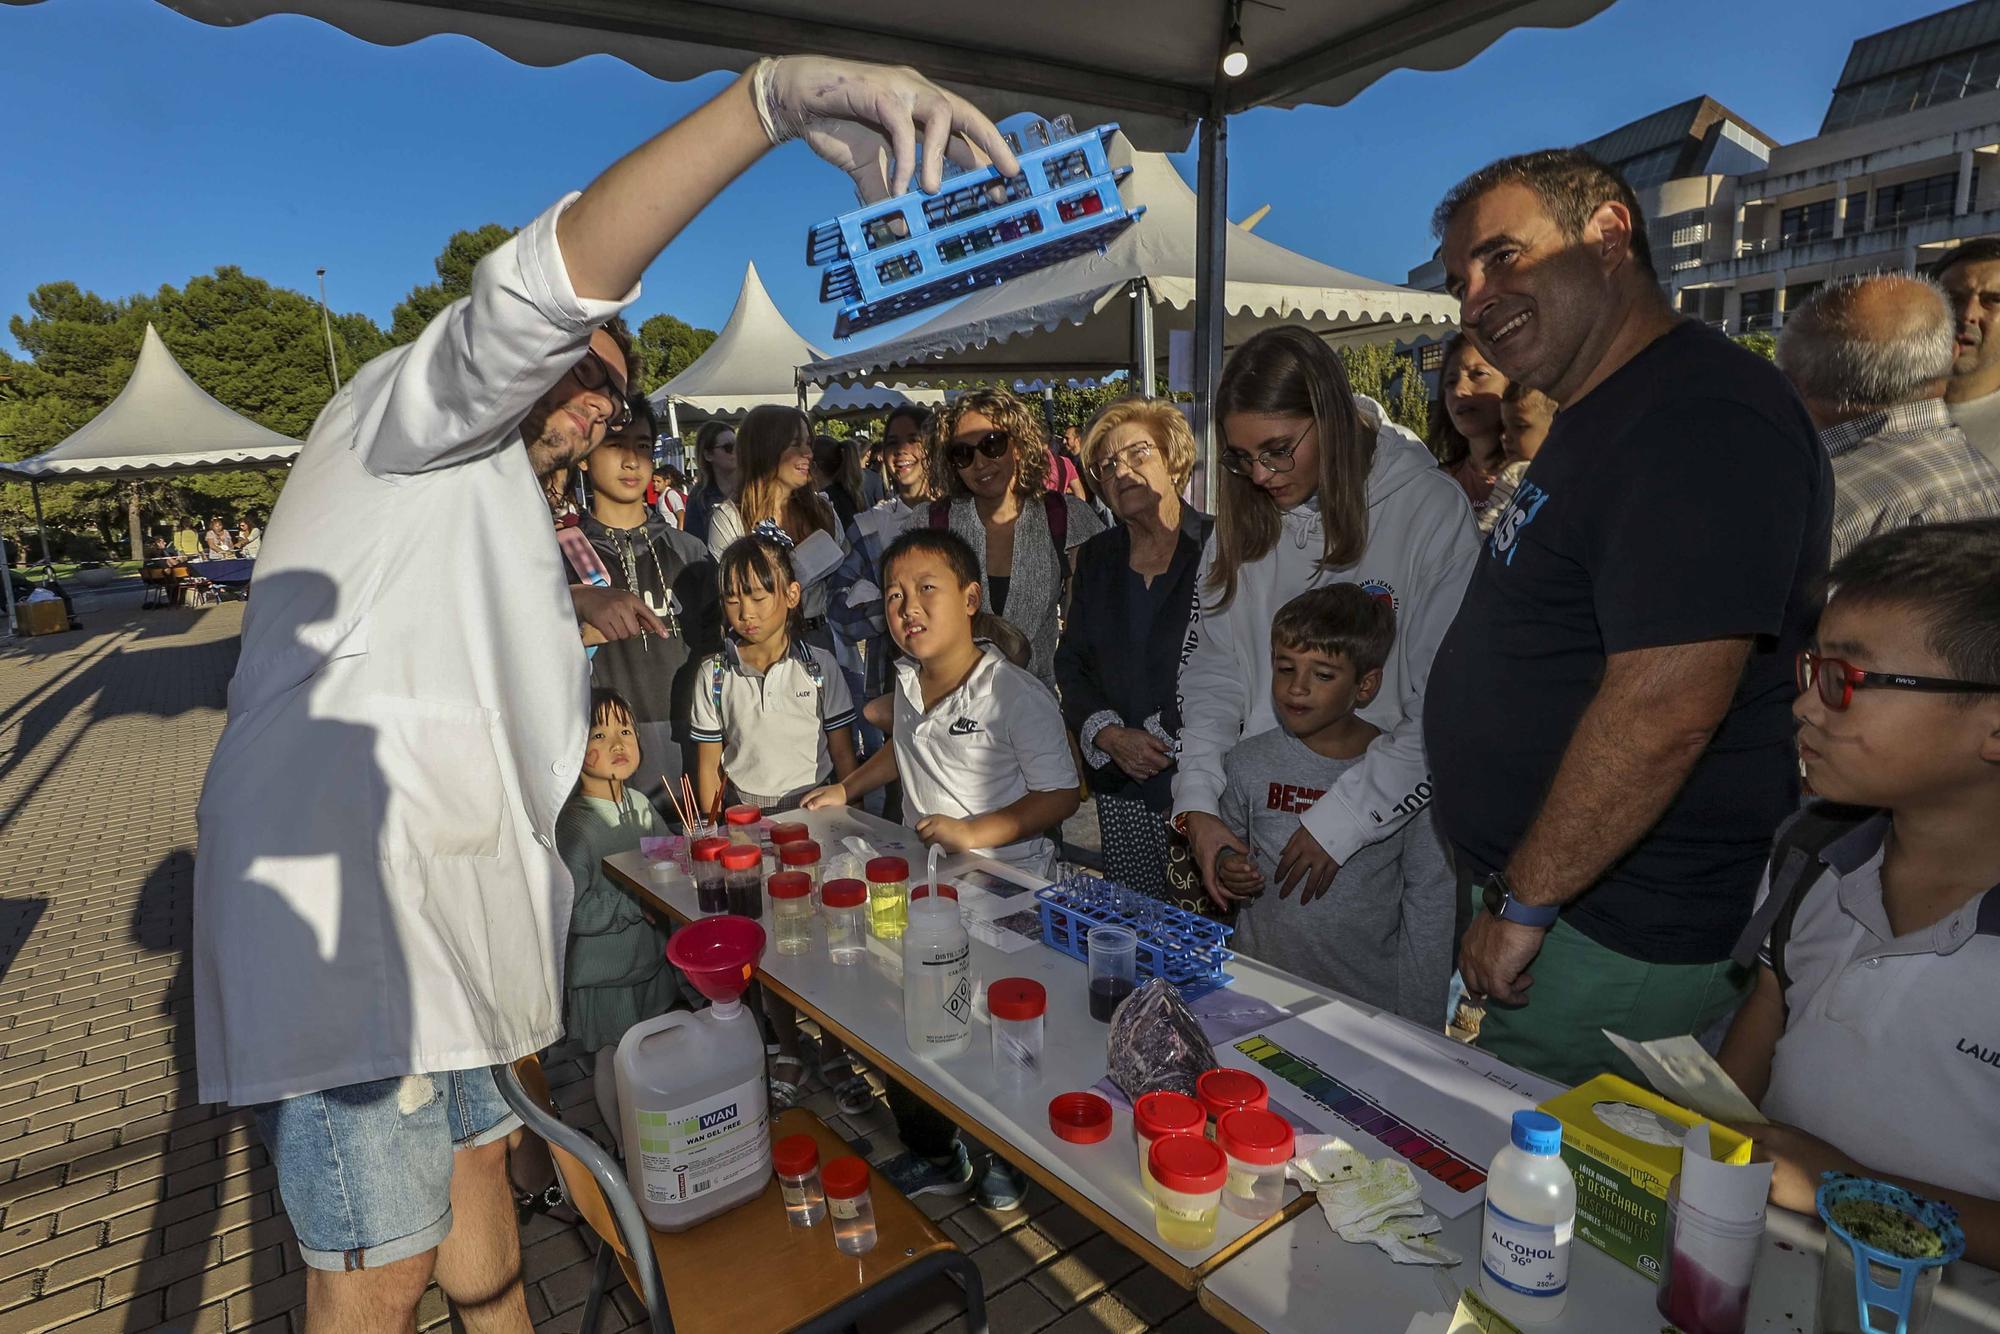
column 1530, row 1215
column 692, row 1095
column 937, row 975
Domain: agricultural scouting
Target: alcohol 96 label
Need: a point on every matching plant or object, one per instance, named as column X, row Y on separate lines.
column 1529, row 1258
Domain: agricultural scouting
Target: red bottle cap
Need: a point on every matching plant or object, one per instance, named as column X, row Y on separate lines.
column 740, row 857
column 789, row 832
column 924, row 891
column 1080, row 1118
column 710, row 849
column 845, row 1178
column 1190, row 1164
column 791, row 885
column 1164, row 1112
column 1253, row 1135
column 742, row 815
column 795, row 1155
column 1221, row 1091
column 1017, row 998
column 844, row 894
column 799, row 852
column 882, row 870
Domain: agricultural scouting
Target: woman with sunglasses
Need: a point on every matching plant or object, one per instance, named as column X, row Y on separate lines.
column 715, row 468
column 774, row 489
column 1317, row 487
column 989, row 462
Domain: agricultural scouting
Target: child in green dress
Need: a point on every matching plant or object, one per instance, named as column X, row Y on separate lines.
column 616, row 973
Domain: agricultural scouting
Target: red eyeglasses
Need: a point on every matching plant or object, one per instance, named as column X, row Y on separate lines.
column 1837, row 680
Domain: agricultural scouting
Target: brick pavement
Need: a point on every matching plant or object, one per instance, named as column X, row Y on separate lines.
column 124, row 1204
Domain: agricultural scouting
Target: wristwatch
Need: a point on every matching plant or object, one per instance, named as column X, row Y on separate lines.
column 1498, row 896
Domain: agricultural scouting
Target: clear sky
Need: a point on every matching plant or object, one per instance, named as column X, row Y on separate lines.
column 144, row 148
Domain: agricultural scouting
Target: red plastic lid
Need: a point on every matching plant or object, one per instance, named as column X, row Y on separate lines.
column 741, row 856
column 1164, row 1112
column 1222, row 1091
column 1190, row 1164
column 924, row 892
column 798, row 852
column 844, row 894
column 741, row 815
column 844, row 1178
column 883, row 869
column 789, row 832
column 1017, row 998
column 710, row 849
column 795, row 1155
column 1253, row 1135
column 1080, row 1118
column 790, row 885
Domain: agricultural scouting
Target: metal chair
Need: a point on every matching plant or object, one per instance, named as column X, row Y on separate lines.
column 816, row 1290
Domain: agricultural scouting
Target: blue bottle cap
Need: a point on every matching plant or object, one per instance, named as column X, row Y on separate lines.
column 1537, row 1133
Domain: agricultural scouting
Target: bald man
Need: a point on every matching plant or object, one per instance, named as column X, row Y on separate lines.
column 1871, row 357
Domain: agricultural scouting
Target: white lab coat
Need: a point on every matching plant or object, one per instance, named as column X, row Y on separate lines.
column 377, row 891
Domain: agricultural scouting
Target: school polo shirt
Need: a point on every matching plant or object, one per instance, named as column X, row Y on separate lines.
column 986, row 745
column 1891, row 1050
column 772, row 725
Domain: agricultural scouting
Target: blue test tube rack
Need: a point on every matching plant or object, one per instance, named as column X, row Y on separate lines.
column 1189, row 950
column 897, row 257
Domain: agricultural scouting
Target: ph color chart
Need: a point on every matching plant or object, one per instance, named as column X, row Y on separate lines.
column 1425, row 1151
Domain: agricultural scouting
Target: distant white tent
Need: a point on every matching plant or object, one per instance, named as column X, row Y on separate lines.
column 161, row 422
column 1077, row 319
column 754, row 361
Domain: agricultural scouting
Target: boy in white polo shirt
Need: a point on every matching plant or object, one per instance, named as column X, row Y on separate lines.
column 979, row 743
column 1872, row 1037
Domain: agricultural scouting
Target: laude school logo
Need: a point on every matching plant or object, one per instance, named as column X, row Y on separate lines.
column 1528, row 502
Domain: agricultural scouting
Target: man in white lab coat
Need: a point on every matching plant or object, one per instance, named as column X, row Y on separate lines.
column 380, row 913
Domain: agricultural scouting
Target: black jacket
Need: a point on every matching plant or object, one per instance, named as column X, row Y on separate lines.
column 656, row 676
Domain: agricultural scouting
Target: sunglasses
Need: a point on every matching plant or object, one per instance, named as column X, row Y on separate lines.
column 596, row 377
column 993, row 444
column 1837, row 680
column 1277, row 460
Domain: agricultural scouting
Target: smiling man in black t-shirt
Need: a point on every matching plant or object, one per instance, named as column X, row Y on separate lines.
column 1608, row 719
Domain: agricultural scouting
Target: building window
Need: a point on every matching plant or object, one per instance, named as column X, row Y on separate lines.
column 1913, row 201
column 1755, row 310
column 1806, row 223
column 1946, row 79
column 1650, row 168
column 1798, row 294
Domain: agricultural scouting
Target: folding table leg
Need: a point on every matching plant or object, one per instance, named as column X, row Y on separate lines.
column 600, row 1280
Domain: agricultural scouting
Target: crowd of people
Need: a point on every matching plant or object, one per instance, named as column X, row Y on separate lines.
column 1522, row 707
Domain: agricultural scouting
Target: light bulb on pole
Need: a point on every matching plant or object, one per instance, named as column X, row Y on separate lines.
column 326, row 322
column 1235, row 58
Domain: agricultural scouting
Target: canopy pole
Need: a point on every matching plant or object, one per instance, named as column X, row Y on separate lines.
column 1142, row 337
column 7, row 582
column 35, row 490
column 1210, row 260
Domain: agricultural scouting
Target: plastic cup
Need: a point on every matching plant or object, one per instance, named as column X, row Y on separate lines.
column 888, row 897
column 1258, row 1144
column 741, row 823
column 1158, row 1114
column 792, row 911
column 1114, row 965
column 1188, row 1173
column 846, row 905
column 1017, row 1005
column 1224, row 1090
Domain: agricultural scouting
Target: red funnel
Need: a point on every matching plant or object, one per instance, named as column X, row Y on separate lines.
column 718, row 955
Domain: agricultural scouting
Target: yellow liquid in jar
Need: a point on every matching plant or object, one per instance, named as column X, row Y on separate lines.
column 888, row 910
column 1181, row 1229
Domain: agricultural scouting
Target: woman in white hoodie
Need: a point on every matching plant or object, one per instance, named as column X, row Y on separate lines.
column 1319, row 487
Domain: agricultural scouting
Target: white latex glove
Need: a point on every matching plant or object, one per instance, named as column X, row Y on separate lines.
column 864, row 118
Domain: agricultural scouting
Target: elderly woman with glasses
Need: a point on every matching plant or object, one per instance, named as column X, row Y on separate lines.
column 989, row 462
column 1129, row 610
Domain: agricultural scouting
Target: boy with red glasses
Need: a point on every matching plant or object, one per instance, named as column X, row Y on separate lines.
column 1871, row 1038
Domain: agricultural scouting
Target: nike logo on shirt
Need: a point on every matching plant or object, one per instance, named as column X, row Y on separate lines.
column 964, row 727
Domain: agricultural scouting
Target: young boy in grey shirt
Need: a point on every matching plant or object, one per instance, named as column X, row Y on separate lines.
column 1382, row 932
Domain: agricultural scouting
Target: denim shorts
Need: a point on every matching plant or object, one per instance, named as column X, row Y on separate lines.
column 365, row 1169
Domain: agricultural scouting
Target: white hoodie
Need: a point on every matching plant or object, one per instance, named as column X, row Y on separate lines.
column 1421, row 546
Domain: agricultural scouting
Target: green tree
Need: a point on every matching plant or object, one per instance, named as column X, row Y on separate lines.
column 1763, row 344
column 1390, row 379
column 667, row 345
column 454, row 265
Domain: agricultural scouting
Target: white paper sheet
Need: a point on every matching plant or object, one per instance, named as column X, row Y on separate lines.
column 1681, row 1069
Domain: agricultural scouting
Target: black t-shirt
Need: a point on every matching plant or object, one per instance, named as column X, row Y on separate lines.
column 657, row 676
column 1685, row 498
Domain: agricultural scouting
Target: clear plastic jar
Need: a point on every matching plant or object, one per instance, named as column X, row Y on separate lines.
column 802, row 855
column 743, row 867
column 740, row 823
column 846, row 1183
column 788, row 831
column 1017, row 1006
column 1225, row 1090
column 846, row 904
column 1258, row 1144
column 792, row 912
column 1188, row 1173
column 711, row 889
column 1159, row 1114
column 888, row 897
column 795, row 1160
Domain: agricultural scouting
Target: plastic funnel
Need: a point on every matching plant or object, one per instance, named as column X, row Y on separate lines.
column 718, row 955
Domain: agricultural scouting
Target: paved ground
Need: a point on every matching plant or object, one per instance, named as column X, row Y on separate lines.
column 125, row 1205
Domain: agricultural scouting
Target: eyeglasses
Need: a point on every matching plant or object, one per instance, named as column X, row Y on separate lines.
column 1133, row 457
column 1837, row 680
column 594, row 374
column 1271, row 460
column 993, row 444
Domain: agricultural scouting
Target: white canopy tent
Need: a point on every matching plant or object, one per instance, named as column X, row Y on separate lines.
column 1097, row 313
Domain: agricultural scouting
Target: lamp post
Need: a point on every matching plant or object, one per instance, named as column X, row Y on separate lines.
column 326, row 320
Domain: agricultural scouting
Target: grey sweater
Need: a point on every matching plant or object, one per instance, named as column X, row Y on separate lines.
column 1383, row 932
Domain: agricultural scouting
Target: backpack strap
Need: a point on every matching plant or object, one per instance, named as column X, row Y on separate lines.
column 715, row 682
column 1056, row 506
column 1797, row 859
column 940, row 514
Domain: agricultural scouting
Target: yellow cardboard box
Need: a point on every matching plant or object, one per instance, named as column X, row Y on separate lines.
column 42, row 618
column 1621, row 1176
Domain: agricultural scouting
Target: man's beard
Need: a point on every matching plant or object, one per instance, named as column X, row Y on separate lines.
column 549, row 448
